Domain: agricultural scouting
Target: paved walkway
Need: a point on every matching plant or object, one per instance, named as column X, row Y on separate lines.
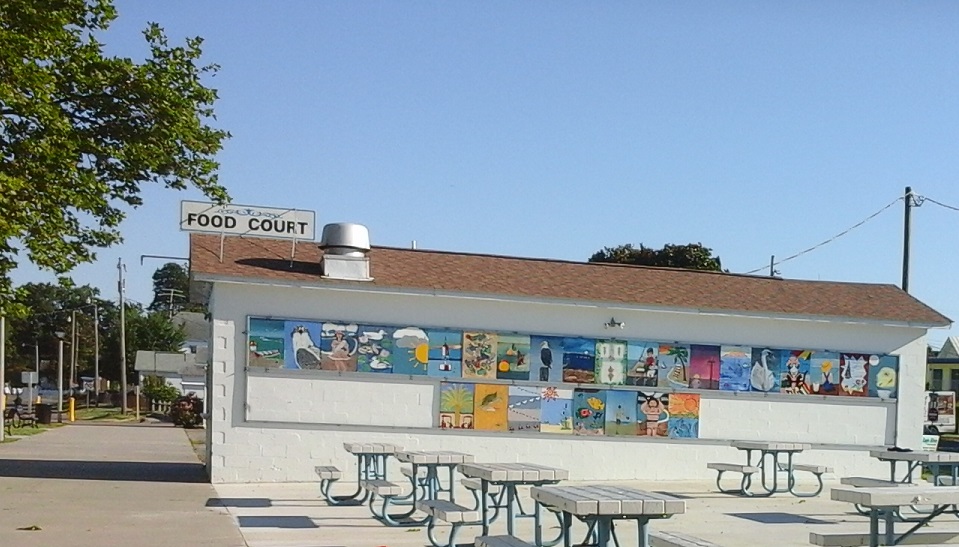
column 97, row 485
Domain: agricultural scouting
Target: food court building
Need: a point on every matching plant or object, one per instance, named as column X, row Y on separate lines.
column 609, row 371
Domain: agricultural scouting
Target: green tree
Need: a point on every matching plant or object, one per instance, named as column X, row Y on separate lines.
column 693, row 256
column 81, row 132
column 146, row 331
column 171, row 289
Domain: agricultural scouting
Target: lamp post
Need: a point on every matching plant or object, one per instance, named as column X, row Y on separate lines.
column 60, row 334
column 96, row 353
column 36, row 359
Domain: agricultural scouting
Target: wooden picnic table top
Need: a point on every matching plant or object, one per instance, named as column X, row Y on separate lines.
column 607, row 499
column 520, row 473
column 435, row 457
column 893, row 497
column 916, row 456
column 371, row 448
column 772, row 446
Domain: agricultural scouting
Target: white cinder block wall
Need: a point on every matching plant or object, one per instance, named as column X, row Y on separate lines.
column 277, row 426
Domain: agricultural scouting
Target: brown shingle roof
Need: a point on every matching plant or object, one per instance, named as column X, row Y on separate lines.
column 267, row 259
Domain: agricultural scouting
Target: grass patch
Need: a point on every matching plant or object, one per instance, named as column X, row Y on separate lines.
column 103, row 414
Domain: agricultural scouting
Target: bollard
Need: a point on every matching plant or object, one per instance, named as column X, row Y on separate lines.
column 73, row 415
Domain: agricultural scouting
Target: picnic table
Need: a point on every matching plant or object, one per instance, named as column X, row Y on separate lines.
column 508, row 476
column 599, row 505
column 772, row 459
column 371, row 459
column 884, row 504
column 426, row 483
column 935, row 461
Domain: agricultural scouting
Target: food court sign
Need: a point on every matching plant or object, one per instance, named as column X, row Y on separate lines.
column 196, row 216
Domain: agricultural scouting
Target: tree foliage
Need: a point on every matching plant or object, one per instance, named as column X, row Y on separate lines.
column 81, row 132
column 48, row 309
column 171, row 289
column 693, row 256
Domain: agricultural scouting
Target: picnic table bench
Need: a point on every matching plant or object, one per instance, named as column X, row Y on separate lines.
column 884, row 504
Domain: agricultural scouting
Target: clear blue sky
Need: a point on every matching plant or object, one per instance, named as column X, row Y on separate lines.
column 554, row 129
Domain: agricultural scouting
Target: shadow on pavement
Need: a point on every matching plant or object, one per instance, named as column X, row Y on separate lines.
column 104, row 471
column 779, row 518
column 276, row 522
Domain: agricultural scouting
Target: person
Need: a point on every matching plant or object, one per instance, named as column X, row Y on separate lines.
column 652, row 409
column 466, row 422
column 446, row 422
column 339, row 351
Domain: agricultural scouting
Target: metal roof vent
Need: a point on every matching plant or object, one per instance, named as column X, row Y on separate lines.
column 345, row 247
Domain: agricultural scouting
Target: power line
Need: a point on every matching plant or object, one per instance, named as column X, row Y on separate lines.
column 833, row 238
column 930, row 200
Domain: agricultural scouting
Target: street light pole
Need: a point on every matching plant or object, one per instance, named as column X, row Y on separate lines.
column 73, row 348
column 96, row 354
column 121, row 286
column 60, row 335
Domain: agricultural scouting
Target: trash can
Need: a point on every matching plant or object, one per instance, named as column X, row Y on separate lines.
column 44, row 413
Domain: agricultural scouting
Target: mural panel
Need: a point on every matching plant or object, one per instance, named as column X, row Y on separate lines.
column 266, row 343
column 445, row 354
column 734, row 368
column 525, row 405
column 684, row 415
column 490, row 407
column 546, row 363
column 823, row 371
column 512, row 357
column 854, row 374
column 556, row 412
column 479, row 355
column 642, row 363
column 456, row 406
column 589, row 411
column 579, row 360
column 621, row 413
column 704, row 367
column 653, row 414
column 411, row 349
column 766, row 371
column 883, row 376
column 610, row 363
column 375, row 349
column 322, row 346
column 673, row 366
column 795, row 371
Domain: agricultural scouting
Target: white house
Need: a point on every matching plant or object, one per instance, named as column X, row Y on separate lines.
column 440, row 350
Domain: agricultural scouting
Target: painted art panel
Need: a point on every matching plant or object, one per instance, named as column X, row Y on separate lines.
column 556, row 411
column 642, row 367
column 375, row 351
column 883, row 376
column 684, row 415
column 734, row 364
column 479, row 355
column 703, row 367
column 823, row 373
column 579, row 360
column 621, row 413
column 525, row 408
column 512, row 356
column 854, row 374
column 795, row 371
column 766, row 371
column 546, row 358
column 411, row 351
column 610, row 362
column 653, row 413
column 456, row 406
column 673, row 365
column 589, row 411
column 266, row 343
column 322, row 346
column 491, row 402
column 445, row 354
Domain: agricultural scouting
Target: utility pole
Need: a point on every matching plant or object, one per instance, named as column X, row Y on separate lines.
column 121, row 286
column 907, row 224
column 60, row 335
column 96, row 354
column 3, row 366
column 772, row 264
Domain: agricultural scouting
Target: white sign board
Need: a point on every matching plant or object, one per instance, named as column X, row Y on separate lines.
column 29, row 378
column 230, row 219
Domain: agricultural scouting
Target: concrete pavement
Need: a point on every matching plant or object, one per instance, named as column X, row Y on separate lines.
column 100, row 485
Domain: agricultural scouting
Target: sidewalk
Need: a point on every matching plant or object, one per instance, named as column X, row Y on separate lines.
column 96, row 485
